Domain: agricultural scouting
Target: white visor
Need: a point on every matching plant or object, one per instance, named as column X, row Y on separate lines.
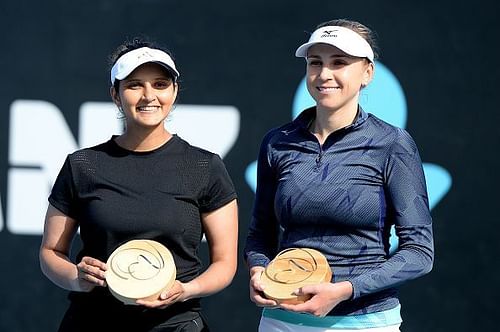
column 133, row 59
column 344, row 39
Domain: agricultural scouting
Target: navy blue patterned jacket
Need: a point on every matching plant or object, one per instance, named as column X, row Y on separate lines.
column 342, row 199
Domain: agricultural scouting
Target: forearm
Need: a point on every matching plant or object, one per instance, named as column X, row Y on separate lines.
column 413, row 259
column 262, row 241
column 59, row 269
column 214, row 279
column 221, row 230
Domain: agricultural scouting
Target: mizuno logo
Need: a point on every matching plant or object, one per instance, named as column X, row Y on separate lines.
column 329, row 33
column 145, row 54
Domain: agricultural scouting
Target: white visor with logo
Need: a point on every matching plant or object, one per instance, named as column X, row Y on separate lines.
column 128, row 62
column 343, row 38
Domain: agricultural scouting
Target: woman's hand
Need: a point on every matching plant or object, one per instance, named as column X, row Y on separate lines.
column 256, row 289
column 325, row 297
column 177, row 293
column 91, row 273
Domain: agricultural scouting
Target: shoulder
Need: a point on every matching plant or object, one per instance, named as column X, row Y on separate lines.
column 193, row 150
column 279, row 134
column 290, row 130
column 90, row 152
column 394, row 137
column 195, row 156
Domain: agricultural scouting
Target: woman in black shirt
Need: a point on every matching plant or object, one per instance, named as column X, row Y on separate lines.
column 143, row 184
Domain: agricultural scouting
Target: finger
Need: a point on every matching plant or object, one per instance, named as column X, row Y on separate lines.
column 90, row 278
column 169, row 295
column 94, row 262
column 262, row 301
column 301, row 307
column 154, row 304
column 174, row 292
column 150, row 304
column 257, row 286
column 305, row 290
column 92, row 270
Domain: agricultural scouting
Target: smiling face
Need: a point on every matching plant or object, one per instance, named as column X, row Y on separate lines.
column 146, row 97
column 334, row 78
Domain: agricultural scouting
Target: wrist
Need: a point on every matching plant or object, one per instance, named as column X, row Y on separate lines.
column 347, row 290
column 190, row 289
column 74, row 281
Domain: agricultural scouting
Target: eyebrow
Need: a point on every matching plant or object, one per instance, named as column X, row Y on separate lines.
column 331, row 56
column 133, row 79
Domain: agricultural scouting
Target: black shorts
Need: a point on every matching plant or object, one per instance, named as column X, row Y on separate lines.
column 193, row 325
column 131, row 319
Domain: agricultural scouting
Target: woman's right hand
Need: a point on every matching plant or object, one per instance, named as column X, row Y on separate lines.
column 256, row 289
column 91, row 273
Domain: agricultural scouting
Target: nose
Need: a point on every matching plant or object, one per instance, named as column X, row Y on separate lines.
column 149, row 93
column 325, row 73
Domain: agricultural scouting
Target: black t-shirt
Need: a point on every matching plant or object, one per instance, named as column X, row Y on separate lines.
column 117, row 195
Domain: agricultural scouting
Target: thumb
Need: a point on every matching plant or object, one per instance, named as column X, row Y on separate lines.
column 298, row 291
column 308, row 289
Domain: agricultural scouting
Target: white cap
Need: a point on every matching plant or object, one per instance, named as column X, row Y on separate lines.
column 133, row 59
column 345, row 39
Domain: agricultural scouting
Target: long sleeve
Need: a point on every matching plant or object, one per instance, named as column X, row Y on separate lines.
column 407, row 205
column 262, row 240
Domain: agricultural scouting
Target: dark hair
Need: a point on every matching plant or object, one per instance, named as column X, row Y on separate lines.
column 130, row 45
column 361, row 29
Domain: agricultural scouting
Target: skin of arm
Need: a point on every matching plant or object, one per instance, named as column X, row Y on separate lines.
column 221, row 231
column 58, row 235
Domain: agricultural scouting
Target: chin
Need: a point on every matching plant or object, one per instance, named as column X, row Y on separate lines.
column 328, row 106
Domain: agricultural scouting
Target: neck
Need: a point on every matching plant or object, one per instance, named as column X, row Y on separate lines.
column 328, row 121
column 143, row 141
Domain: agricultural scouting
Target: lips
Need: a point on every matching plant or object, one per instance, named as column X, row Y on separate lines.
column 327, row 89
column 148, row 109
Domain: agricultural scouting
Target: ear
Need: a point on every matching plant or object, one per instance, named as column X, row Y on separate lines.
column 176, row 89
column 368, row 74
column 115, row 96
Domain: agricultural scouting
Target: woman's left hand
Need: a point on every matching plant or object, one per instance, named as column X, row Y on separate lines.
column 177, row 293
column 324, row 298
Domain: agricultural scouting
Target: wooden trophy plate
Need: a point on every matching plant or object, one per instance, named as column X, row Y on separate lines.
column 140, row 269
column 292, row 269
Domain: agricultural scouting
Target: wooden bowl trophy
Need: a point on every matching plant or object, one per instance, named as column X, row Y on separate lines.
column 140, row 269
column 292, row 269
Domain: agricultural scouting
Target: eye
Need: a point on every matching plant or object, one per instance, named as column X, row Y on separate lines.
column 162, row 84
column 314, row 63
column 132, row 85
column 340, row 62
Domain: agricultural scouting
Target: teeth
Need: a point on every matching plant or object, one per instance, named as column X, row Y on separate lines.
column 148, row 108
column 327, row 89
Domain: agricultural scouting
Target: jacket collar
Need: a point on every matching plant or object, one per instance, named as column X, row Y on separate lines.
column 308, row 115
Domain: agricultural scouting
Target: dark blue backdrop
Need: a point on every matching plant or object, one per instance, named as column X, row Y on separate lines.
column 443, row 53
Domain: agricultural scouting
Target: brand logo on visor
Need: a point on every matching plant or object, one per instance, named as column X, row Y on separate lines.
column 329, row 33
column 144, row 54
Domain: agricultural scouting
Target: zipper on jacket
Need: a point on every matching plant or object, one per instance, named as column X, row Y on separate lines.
column 318, row 160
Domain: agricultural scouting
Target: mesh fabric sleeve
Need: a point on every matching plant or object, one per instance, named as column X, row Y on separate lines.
column 220, row 189
column 63, row 193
